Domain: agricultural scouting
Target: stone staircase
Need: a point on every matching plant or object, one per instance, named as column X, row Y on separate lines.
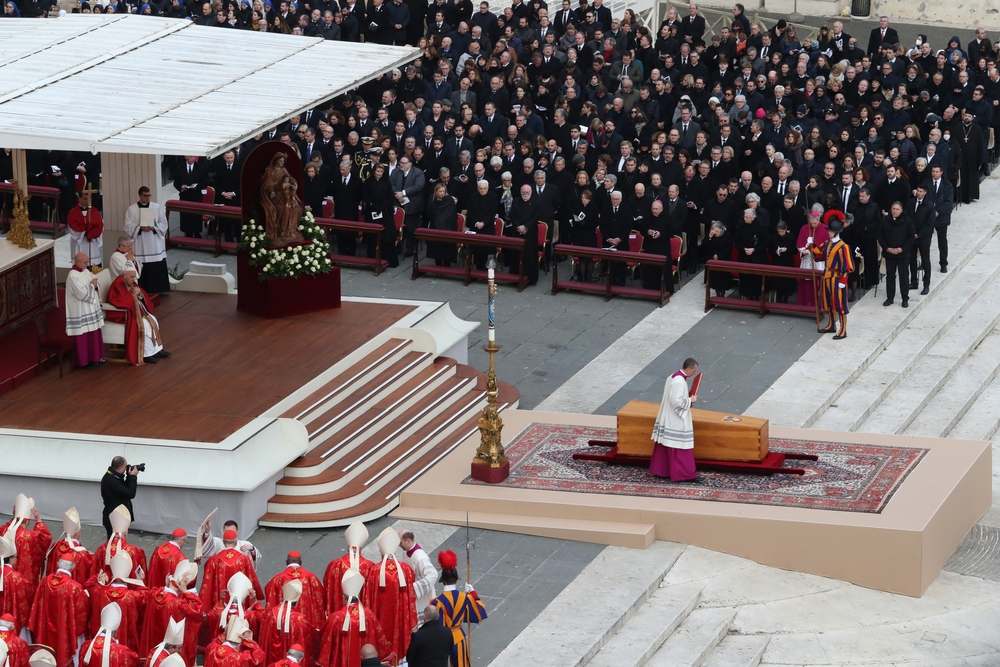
column 634, row 619
column 374, row 428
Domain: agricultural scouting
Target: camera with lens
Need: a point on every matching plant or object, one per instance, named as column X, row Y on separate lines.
column 141, row 467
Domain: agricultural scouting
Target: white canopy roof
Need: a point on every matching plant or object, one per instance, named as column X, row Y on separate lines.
column 140, row 84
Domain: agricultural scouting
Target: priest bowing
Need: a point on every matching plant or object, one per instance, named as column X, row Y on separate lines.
column 673, row 432
column 143, row 344
column 146, row 224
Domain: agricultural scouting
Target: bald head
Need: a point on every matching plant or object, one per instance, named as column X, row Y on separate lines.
column 81, row 260
column 368, row 651
column 430, row 614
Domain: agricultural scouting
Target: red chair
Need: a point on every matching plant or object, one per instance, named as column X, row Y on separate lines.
column 543, row 243
column 397, row 218
column 52, row 338
column 79, row 182
column 327, row 208
column 675, row 259
column 635, row 241
column 498, row 226
column 207, row 197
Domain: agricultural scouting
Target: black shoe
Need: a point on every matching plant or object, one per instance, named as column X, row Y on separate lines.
column 840, row 336
column 944, row 268
column 906, row 303
column 828, row 330
column 887, row 302
column 162, row 354
column 692, row 270
column 913, row 286
column 408, row 253
column 925, row 291
column 149, row 360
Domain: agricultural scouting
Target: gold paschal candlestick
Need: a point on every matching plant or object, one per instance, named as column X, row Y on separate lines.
column 491, row 464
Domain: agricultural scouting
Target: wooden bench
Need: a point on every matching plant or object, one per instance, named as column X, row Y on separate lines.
column 609, row 290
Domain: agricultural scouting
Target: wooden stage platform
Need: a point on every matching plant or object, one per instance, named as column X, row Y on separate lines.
column 227, row 368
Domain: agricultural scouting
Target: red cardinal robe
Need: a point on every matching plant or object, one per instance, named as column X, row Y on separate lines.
column 164, row 604
column 162, row 563
column 59, row 615
column 121, row 655
column 395, row 607
column 252, row 614
column 120, row 297
column 219, row 569
column 333, row 576
column 97, row 562
column 92, row 223
column 17, row 597
column 312, row 604
column 276, row 642
column 17, row 650
column 343, row 649
column 32, row 543
column 223, row 654
column 133, row 604
column 84, row 560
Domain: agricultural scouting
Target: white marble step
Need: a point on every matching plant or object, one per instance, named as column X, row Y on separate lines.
column 982, row 420
column 738, row 651
column 966, row 384
column 649, row 627
column 925, row 334
column 695, row 639
column 612, row 588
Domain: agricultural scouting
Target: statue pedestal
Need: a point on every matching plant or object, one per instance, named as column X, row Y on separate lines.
column 284, row 297
column 482, row 472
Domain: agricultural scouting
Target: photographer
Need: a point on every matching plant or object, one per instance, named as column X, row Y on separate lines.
column 118, row 488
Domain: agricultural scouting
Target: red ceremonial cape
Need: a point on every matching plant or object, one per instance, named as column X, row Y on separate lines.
column 333, row 576
column 219, row 654
column 219, row 569
column 120, row 297
column 161, row 606
column 162, row 563
column 252, row 614
column 17, row 597
column 276, row 642
column 93, row 224
column 132, row 603
column 312, row 604
column 120, row 656
column 31, row 547
column 395, row 607
column 343, row 649
column 84, row 561
column 59, row 615
column 98, row 566
column 17, row 650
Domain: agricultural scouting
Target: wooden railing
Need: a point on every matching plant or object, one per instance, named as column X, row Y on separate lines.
column 466, row 270
column 765, row 271
column 211, row 210
column 608, row 289
column 41, row 192
column 377, row 262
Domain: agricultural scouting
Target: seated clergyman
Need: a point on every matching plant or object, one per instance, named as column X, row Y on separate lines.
column 143, row 344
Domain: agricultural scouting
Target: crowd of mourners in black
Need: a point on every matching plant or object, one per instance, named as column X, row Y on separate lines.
column 597, row 125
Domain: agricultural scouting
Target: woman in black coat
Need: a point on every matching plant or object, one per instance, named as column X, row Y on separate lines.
column 379, row 209
column 783, row 252
column 314, row 189
column 442, row 215
column 480, row 217
column 583, row 221
column 718, row 245
column 750, row 239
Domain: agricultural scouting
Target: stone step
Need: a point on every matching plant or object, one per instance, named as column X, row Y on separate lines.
column 829, row 368
column 738, row 651
column 906, row 356
column 613, row 587
column 695, row 639
column 649, row 627
column 961, row 391
column 982, row 420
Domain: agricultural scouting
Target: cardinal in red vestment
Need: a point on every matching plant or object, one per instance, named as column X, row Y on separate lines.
column 70, row 541
column 60, row 612
column 17, row 594
column 173, row 642
column 165, row 557
column 293, row 658
column 356, row 536
column 312, row 604
column 104, row 650
column 236, row 648
column 173, row 601
column 120, row 519
column 221, row 567
column 393, row 599
column 131, row 602
column 349, row 628
column 32, row 543
column 284, row 625
column 17, row 649
column 237, row 600
column 142, row 331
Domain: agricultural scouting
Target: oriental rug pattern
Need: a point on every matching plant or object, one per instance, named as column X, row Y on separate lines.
column 847, row 477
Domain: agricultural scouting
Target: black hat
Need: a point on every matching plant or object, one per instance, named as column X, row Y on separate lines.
column 835, row 226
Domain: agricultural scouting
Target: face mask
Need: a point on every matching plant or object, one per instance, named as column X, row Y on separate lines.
column 947, row 137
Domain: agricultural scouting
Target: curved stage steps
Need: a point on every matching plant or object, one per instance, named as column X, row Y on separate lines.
column 373, row 430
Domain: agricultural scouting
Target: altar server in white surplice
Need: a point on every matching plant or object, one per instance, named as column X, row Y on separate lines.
column 146, row 224
column 84, row 317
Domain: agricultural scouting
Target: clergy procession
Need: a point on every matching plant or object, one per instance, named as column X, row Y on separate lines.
column 63, row 604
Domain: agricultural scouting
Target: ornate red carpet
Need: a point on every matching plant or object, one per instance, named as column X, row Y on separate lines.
column 847, row 477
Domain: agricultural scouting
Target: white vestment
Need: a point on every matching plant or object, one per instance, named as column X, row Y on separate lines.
column 424, row 575
column 673, row 427
column 83, row 304
column 147, row 246
column 94, row 250
column 119, row 262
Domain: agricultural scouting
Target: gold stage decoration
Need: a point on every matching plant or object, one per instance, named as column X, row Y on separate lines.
column 491, row 464
column 20, row 229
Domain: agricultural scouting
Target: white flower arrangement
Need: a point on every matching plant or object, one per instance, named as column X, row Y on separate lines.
column 298, row 260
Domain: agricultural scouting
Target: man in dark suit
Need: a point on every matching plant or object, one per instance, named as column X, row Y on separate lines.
column 847, row 194
column 227, row 192
column 408, row 186
column 308, row 147
column 522, row 223
column 616, row 223
column 493, row 124
column 346, row 191
column 943, row 196
column 921, row 211
column 693, row 27
column 883, row 34
column 430, row 645
column 894, row 189
column 688, row 129
column 379, row 28
column 548, row 201
column 189, row 183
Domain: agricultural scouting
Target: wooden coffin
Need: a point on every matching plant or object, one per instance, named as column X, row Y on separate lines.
column 718, row 436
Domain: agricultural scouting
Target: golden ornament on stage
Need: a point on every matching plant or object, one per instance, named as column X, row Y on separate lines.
column 20, row 229
column 490, row 464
